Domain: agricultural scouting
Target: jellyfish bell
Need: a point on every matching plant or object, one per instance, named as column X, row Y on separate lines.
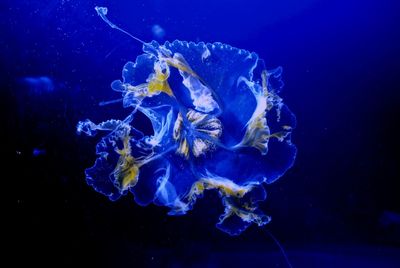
column 158, row 32
column 38, row 85
column 217, row 125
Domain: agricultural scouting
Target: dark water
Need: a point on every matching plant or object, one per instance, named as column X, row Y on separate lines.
column 338, row 206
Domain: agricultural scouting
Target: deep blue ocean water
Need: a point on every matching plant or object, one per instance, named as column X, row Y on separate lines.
column 338, row 206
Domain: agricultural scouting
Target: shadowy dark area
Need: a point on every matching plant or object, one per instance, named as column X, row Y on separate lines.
column 339, row 206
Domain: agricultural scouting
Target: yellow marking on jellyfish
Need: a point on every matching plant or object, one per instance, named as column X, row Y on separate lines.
column 158, row 81
column 197, row 189
column 179, row 62
column 126, row 171
column 257, row 130
column 215, row 133
column 228, row 188
column 200, row 147
column 163, row 54
column 203, row 97
column 178, row 127
column 183, row 148
column 257, row 134
column 244, row 214
column 225, row 186
column 212, row 127
column 195, row 117
column 200, row 122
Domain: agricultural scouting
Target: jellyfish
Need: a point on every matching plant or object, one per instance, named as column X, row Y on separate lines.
column 38, row 85
column 158, row 32
column 218, row 124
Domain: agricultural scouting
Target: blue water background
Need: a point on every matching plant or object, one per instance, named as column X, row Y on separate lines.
column 338, row 205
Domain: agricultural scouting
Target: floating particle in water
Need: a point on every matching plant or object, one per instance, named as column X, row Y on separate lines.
column 38, row 152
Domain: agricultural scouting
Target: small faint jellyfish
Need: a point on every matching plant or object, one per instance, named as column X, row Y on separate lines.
column 158, row 32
